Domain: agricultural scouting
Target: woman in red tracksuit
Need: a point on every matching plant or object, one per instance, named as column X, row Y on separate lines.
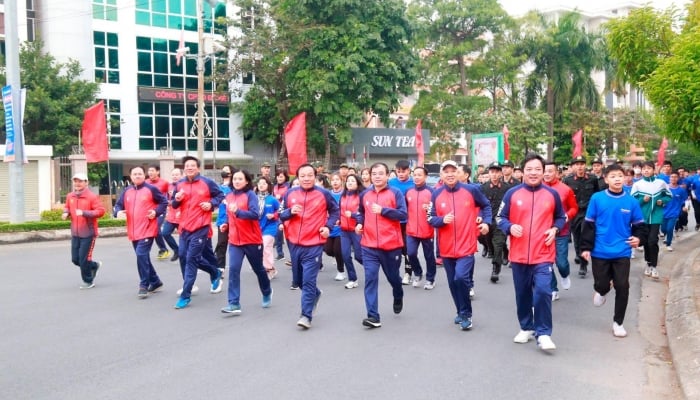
column 349, row 240
column 245, row 239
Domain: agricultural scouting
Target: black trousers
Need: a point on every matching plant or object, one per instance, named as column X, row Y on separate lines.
column 616, row 270
column 220, row 249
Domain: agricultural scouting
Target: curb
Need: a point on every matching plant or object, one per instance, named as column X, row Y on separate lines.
column 56, row 234
column 683, row 323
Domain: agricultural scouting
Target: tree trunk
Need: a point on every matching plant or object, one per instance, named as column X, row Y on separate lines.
column 462, row 75
column 283, row 149
column 327, row 141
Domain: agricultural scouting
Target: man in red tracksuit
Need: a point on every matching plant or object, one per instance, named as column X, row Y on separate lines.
column 162, row 185
column 84, row 208
column 419, row 231
column 532, row 214
column 455, row 209
column 141, row 204
column 196, row 197
column 310, row 213
column 382, row 208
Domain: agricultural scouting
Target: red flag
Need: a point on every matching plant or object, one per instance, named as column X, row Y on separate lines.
column 95, row 133
column 419, row 143
column 578, row 143
column 181, row 49
column 506, row 143
column 662, row 152
column 295, row 140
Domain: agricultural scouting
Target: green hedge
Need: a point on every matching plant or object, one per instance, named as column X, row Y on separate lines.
column 49, row 225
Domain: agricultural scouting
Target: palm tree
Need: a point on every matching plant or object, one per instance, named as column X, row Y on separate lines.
column 563, row 55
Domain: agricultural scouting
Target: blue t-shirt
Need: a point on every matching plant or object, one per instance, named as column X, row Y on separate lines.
column 613, row 215
column 672, row 209
column 335, row 232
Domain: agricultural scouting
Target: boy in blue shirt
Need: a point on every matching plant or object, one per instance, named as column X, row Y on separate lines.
column 613, row 225
column 673, row 208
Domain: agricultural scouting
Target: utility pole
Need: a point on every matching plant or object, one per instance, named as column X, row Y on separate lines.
column 200, row 82
column 13, row 79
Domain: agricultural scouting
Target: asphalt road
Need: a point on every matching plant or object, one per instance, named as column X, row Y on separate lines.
column 59, row 342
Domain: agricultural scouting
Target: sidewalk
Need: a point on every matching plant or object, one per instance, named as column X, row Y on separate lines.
column 683, row 316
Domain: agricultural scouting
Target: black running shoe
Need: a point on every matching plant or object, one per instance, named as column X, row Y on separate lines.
column 371, row 322
column 398, row 306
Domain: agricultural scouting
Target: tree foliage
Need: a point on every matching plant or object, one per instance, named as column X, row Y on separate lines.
column 56, row 99
column 334, row 59
column 639, row 41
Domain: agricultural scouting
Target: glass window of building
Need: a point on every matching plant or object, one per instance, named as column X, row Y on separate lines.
column 177, row 14
column 106, row 57
column 104, row 9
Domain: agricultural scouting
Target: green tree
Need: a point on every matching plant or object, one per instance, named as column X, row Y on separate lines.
column 56, row 99
column 334, row 59
column 639, row 41
column 564, row 54
column 673, row 88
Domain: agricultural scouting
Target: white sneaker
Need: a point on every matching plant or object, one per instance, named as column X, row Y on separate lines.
column 619, row 330
column 647, row 271
column 472, row 293
column 545, row 343
column 524, row 336
column 195, row 290
column 406, row 279
column 555, row 295
column 654, row 273
column 669, row 248
column 351, row 285
column 598, row 300
column 429, row 285
column 340, row 276
column 417, row 281
column 566, row 283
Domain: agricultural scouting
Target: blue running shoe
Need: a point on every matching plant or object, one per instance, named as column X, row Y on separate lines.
column 267, row 300
column 458, row 320
column 232, row 309
column 466, row 324
column 216, row 284
column 182, row 303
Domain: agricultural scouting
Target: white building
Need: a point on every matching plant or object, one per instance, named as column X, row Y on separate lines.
column 129, row 46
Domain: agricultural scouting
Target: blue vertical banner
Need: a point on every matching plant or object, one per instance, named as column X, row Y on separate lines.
column 9, row 124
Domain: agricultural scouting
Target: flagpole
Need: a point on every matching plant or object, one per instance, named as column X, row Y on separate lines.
column 184, row 97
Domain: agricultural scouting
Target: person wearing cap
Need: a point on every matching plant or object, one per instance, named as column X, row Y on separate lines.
column 162, row 185
column 84, row 208
column 532, row 215
column 495, row 240
column 568, row 201
column 403, row 182
column 196, row 197
column 343, row 171
column 455, row 209
column 584, row 185
column 381, row 210
column 265, row 170
column 141, row 203
column 507, row 170
column 597, row 170
column 518, row 173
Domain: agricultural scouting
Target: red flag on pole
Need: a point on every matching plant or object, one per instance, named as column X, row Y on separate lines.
column 94, row 133
column 181, row 49
column 578, row 143
column 295, row 140
column 419, row 143
column 662, row 152
column 506, row 143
